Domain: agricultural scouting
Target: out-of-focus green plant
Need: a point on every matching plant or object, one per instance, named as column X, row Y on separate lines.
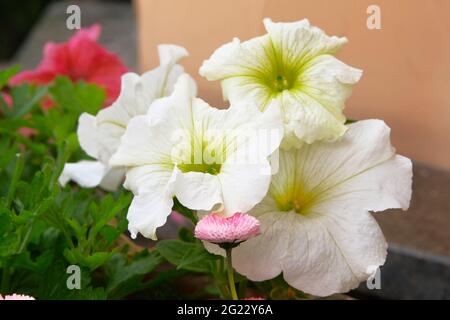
column 44, row 228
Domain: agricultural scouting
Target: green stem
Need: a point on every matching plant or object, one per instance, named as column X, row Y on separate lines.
column 230, row 274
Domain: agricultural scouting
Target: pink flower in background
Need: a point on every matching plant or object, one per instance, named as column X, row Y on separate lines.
column 235, row 229
column 16, row 297
column 80, row 58
column 7, row 98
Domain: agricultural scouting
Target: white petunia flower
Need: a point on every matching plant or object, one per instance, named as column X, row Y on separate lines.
column 204, row 156
column 99, row 135
column 294, row 64
column 315, row 223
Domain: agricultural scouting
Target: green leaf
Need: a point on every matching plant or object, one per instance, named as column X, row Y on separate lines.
column 20, row 162
column 6, row 74
column 186, row 235
column 91, row 261
column 39, row 265
column 110, row 234
column 53, row 285
column 186, row 255
column 79, row 96
column 9, row 244
column 125, row 278
column 25, row 98
column 107, row 210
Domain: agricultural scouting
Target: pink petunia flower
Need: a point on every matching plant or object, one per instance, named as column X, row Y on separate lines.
column 80, row 58
column 16, row 297
column 232, row 230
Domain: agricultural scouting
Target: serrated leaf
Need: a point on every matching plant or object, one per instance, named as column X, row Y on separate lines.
column 40, row 264
column 186, row 255
column 91, row 261
column 79, row 96
column 25, row 97
column 123, row 275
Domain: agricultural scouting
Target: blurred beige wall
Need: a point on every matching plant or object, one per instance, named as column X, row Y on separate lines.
column 406, row 64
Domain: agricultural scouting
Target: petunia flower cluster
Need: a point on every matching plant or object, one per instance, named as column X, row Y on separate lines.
column 282, row 152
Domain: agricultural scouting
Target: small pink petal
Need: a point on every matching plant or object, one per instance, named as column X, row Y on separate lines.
column 16, row 297
column 92, row 32
column 237, row 228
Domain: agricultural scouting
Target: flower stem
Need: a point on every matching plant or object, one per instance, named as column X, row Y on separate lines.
column 230, row 274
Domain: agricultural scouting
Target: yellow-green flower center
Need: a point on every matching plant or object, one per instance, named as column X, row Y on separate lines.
column 277, row 72
column 292, row 196
column 203, row 156
column 281, row 83
column 213, row 168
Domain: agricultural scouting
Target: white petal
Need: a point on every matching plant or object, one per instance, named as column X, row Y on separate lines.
column 306, row 120
column 153, row 189
column 133, row 99
column 151, row 139
column 198, row 191
column 87, row 174
column 146, row 213
column 298, row 41
column 333, row 253
column 243, row 185
column 365, row 145
column 143, row 143
column 87, row 135
column 225, row 61
column 384, row 186
column 261, row 258
column 329, row 82
column 170, row 54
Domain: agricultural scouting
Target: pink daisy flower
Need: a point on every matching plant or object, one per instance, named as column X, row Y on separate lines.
column 80, row 58
column 16, row 297
column 227, row 231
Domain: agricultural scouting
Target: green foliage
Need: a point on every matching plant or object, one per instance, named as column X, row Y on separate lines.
column 190, row 256
column 44, row 228
column 125, row 278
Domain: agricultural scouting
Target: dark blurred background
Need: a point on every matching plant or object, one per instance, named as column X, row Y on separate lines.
column 16, row 20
